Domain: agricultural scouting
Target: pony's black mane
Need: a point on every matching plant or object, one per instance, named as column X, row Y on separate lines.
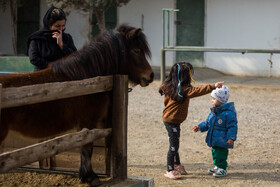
column 106, row 54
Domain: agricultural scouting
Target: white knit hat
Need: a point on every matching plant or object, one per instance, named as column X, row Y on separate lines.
column 221, row 94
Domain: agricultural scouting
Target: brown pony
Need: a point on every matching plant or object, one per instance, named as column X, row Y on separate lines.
column 121, row 51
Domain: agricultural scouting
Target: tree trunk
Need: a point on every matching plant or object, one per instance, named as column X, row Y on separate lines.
column 100, row 16
column 13, row 7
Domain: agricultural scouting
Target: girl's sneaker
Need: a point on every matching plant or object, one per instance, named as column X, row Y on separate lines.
column 172, row 175
column 180, row 168
column 214, row 170
column 220, row 173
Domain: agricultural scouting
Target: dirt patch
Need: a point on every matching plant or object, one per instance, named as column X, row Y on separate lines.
column 253, row 162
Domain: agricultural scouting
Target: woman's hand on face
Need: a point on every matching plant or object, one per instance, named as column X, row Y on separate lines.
column 58, row 36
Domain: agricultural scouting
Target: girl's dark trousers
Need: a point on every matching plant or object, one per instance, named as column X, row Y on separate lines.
column 174, row 140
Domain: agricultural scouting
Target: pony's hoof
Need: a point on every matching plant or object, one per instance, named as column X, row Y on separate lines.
column 95, row 182
column 91, row 178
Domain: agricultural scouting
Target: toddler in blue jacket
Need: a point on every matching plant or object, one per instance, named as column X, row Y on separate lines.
column 221, row 125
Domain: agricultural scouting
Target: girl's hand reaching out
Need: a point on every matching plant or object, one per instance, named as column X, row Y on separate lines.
column 219, row 84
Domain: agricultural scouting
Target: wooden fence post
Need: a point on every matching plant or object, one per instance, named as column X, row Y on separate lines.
column 0, row 99
column 119, row 126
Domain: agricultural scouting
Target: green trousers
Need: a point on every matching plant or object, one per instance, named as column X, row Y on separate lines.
column 220, row 156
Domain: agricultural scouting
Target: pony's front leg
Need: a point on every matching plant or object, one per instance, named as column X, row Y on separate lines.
column 86, row 173
column 3, row 132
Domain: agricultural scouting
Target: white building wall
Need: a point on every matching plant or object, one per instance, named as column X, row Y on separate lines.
column 252, row 24
column 147, row 14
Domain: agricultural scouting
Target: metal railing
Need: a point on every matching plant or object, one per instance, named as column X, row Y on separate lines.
column 165, row 48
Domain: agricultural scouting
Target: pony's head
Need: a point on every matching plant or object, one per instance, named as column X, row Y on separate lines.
column 137, row 49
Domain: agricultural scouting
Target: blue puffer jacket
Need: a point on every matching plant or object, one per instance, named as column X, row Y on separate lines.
column 221, row 125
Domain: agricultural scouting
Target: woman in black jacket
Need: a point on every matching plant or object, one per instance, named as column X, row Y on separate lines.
column 51, row 42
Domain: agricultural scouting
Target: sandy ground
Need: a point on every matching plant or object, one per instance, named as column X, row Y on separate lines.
column 253, row 162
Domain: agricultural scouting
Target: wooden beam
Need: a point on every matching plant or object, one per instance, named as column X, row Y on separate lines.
column 13, row 97
column 119, row 124
column 39, row 151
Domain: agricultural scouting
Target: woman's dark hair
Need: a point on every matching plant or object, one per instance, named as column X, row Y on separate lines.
column 179, row 78
column 53, row 14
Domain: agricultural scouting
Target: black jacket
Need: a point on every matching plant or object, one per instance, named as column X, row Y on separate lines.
column 43, row 49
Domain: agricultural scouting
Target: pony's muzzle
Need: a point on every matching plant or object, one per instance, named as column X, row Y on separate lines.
column 147, row 81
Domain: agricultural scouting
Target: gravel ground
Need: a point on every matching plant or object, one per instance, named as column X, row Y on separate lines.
column 253, row 162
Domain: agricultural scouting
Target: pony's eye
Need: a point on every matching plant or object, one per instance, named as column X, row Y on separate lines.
column 136, row 51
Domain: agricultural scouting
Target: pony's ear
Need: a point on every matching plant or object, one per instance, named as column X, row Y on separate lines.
column 134, row 33
column 137, row 32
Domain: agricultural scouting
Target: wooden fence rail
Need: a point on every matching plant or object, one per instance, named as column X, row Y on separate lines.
column 12, row 97
column 49, row 148
column 118, row 84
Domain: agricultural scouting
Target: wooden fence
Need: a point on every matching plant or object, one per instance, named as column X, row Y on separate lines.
column 116, row 162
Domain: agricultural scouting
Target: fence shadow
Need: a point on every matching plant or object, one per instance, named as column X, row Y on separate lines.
column 247, row 171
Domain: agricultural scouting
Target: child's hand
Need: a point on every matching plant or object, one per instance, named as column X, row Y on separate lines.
column 196, row 128
column 219, row 84
column 230, row 142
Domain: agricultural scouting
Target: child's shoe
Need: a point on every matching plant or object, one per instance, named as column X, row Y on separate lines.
column 220, row 173
column 180, row 168
column 172, row 175
column 214, row 170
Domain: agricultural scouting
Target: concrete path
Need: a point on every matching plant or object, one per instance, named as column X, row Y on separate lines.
column 206, row 75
